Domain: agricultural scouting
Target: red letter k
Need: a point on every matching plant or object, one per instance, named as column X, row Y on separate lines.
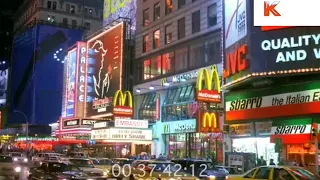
column 271, row 8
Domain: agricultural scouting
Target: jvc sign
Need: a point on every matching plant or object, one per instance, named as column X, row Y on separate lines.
column 270, row 7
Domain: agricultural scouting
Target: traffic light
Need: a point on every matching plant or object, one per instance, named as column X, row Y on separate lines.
column 314, row 130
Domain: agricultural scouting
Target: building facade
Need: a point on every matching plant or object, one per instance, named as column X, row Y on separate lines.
column 68, row 14
column 174, row 41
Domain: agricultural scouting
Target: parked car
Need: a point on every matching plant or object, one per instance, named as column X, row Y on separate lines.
column 202, row 168
column 9, row 167
column 56, row 170
column 19, row 157
column 87, row 166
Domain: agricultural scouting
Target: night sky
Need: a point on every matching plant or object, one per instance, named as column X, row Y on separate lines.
column 7, row 9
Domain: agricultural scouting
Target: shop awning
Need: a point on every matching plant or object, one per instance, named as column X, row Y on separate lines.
column 292, row 138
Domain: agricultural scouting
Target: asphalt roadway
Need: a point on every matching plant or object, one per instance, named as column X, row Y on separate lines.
column 23, row 174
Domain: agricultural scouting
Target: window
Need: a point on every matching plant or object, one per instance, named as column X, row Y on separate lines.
column 262, row 173
column 156, row 11
column 196, row 22
column 87, row 25
column 181, row 59
column 90, row 12
column 54, row 5
column 168, row 34
column 197, row 54
column 148, row 107
column 156, row 39
column 155, row 69
column 146, row 43
column 168, row 63
column 181, row 3
column 169, row 7
column 250, row 173
column 146, row 20
column 68, row 7
column 65, row 21
column 49, row 4
column 74, row 23
column 181, row 28
column 51, row 19
column 212, row 15
column 72, row 9
column 213, row 51
column 85, row 11
column 146, row 69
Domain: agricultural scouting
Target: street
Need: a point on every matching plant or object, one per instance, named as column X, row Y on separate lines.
column 23, row 174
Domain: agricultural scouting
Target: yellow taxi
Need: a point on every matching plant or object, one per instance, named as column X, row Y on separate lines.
column 276, row 173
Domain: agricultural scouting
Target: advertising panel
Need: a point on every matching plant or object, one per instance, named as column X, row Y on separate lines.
column 113, row 9
column 288, row 50
column 184, row 126
column 122, row 104
column 208, row 122
column 235, row 21
column 130, row 134
column 106, row 51
column 241, row 130
column 131, row 123
column 3, row 86
column 288, row 100
column 70, row 82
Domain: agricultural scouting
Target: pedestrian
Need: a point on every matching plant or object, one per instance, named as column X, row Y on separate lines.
column 272, row 162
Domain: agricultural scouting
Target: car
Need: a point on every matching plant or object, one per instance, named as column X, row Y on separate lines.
column 39, row 157
column 103, row 163
column 87, row 166
column 9, row 167
column 122, row 161
column 157, row 169
column 230, row 170
column 277, row 173
column 56, row 170
column 202, row 168
column 19, row 157
column 77, row 154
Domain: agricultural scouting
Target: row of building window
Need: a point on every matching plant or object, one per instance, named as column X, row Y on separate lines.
column 181, row 30
column 65, row 21
column 70, row 8
column 198, row 54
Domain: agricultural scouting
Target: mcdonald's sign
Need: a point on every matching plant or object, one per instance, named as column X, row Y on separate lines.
column 208, row 94
column 166, row 128
column 209, row 122
column 122, row 103
column 164, row 81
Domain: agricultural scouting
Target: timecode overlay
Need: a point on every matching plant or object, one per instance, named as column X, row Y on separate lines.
column 159, row 170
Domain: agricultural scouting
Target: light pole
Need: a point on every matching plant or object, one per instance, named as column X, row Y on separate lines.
column 27, row 122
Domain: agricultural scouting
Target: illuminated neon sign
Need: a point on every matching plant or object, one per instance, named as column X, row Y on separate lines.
column 82, row 73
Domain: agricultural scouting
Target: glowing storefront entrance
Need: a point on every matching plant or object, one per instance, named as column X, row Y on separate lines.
column 127, row 137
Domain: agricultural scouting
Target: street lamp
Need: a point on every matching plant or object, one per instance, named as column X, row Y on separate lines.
column 27, row 122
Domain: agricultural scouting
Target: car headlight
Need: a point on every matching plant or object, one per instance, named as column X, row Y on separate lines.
column 15, row 159
column 25, row 160
column 212, row 177
column 17, row 169
column 105, row 173
column 227, row 177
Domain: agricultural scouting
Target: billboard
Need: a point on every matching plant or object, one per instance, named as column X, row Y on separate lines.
column 3, row 86
column 113, row 9
column 105, row 53
column 70, row 82
column 286, row 49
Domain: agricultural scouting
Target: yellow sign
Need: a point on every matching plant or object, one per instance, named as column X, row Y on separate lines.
column 209, row 123
column 209, row 77
column 166, row 129
column 123, row 98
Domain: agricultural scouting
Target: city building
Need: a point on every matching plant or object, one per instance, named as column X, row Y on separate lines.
column 175, row 41
column 68, row 14
column 272, row 91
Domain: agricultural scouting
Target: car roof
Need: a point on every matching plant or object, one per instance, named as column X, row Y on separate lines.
column 75, row 158
column 154, row 161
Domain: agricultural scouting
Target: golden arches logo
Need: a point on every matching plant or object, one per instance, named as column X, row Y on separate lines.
column 209, row 78
column 163, row 81
column 121, row 98
column 209, row 122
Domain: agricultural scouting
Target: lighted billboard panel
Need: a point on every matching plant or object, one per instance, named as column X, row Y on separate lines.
column 3, row 86
column 113, row 9
column 70, row 83
column 105, row 53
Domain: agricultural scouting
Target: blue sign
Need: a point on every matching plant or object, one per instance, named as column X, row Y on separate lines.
column 71, row 71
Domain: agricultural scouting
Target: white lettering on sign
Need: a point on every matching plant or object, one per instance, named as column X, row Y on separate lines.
column 131, row 123
column 100, row 134
column 72, row 123
column 274, row 100
column 291, row 129
column 208, row 95
column 180, row 126
column 185, row 77
column 82, row 73
column 88, row 122
column 100, row 125
column 290, row 43
column 131, row 134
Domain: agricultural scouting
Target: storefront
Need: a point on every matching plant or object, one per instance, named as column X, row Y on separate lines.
column 284, row 115
column 182, row 128
column 126, row 137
